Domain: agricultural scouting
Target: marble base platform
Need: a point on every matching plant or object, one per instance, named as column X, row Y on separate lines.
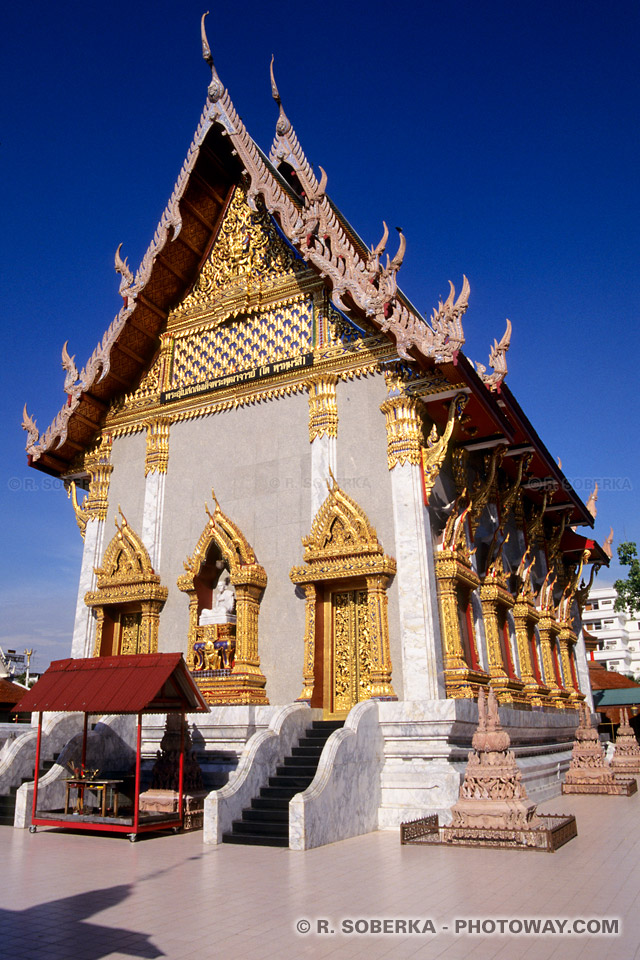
column 426, row 745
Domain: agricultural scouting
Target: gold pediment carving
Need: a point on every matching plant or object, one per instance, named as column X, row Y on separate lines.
column 126, row 560
column 248, row 251
column 342, row 542
column 234, row 549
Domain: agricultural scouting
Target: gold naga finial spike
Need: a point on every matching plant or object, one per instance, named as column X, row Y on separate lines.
column 607, row 546
column 591, row 502
column 214, row 498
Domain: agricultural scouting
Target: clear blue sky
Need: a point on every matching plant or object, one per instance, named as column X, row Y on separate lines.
column 502, row 137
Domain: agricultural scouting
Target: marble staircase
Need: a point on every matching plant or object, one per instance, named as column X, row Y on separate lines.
column 266, row 821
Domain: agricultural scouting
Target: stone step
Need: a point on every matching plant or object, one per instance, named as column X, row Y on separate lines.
column 262, row 841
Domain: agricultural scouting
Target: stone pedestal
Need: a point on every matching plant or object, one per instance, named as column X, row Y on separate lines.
column 492, row 795
column 589, row 771
column 626, row 758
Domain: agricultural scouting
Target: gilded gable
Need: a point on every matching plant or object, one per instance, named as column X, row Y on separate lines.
column 249, row 256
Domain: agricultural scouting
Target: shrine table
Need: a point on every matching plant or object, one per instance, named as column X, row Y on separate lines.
column 106, row 787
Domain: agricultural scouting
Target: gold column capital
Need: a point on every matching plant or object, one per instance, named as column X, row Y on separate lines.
column 404, row 430
column 97, row 463
column 157, row 451
column 323, row 407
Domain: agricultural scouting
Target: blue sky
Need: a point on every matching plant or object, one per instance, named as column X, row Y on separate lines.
column 503, row 138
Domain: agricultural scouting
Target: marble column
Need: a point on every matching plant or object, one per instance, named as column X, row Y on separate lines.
column 323, row 434
column 91, row 517
column 422, row 662
column 156, row 460
column 84, row 628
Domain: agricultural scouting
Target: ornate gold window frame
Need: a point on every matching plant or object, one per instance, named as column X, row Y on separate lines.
column 245, row 682
column 343, row 548
column 127, row 580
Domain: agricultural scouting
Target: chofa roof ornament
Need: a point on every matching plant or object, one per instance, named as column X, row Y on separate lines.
column 497, row 361
column 446, row 320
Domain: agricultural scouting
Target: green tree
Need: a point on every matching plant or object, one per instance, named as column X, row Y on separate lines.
column 628, row 590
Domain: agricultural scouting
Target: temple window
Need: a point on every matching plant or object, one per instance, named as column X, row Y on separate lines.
column 128, row 599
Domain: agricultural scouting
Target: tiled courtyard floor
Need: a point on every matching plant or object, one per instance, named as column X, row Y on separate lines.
column 71, row 896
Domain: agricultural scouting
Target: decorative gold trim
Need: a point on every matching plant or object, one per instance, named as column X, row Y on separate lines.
column 323, row 407
column 343, row 545
column 246, row 682
column 97, row 463
column 433, row 455
column 404, row 430
column 127, row 577
column 456, row 581
column 157, row 451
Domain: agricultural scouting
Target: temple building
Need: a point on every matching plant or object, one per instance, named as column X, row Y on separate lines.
column 282, row 470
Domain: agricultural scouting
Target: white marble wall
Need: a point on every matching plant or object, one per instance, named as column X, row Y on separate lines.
column 343, row 799
column 260, row 757
column 84, row 629
column 417, row 598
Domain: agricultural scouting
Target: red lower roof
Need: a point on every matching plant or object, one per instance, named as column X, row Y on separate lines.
column 603, row 679
column 10, row 692
column 150, row 683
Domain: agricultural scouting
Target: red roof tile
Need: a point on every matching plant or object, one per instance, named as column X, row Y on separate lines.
column 152, row 682
column 10, row 692
column 602, row 679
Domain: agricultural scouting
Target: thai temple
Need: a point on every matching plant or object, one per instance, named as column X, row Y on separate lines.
column 283, row 471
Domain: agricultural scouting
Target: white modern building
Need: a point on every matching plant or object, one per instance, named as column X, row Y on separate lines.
column 618, row 632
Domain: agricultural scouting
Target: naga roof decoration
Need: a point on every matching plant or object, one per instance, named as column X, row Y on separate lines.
column 497, row 361
column 361, row 280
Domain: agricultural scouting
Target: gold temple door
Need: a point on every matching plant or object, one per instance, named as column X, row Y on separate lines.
column 349, row 659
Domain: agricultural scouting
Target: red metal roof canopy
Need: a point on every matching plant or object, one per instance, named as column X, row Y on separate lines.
column 140, row 683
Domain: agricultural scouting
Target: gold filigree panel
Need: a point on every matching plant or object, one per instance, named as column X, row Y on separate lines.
column 245, row 343
column 352, row 662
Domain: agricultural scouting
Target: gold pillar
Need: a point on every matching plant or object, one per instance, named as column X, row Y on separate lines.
column 549, row 628
column 308, row 670
column 99, row 615
column 566, row 641
column 496, row 601
column 193, row 629
column 379, row 626
column 167, row 341
column 452, row 574
column 247, row 661
column 525, row 617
